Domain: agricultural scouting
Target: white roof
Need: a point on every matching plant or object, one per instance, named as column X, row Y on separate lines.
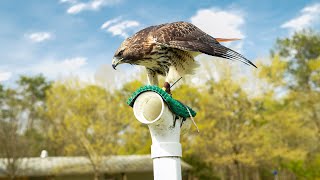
column 37, row 166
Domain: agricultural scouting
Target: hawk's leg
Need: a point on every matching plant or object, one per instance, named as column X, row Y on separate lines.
column 166, row 87
column 152, row 77
column 175, row 118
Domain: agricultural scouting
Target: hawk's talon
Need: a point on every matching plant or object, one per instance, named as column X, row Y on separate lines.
column 175, row 118
column 181, row 123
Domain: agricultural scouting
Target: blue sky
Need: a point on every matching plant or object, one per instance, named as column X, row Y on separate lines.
column 61, row 38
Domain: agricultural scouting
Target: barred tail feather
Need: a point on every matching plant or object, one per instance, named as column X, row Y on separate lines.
column 224, row 52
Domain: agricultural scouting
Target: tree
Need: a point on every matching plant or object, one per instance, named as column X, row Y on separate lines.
column 227, row 126
column 84, row 120
column 242, row 136
column 33, row 93
column 13, row 145
column 135, row 137
column 292, row 83
column 302, row 51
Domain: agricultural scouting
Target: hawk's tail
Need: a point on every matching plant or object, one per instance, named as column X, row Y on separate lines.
column 227, row 40
column 224, row 52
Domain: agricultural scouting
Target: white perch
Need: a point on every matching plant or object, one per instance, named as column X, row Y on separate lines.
column 150, row 109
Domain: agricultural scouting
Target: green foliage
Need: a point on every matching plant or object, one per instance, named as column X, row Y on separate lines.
column 86, row 115
column 274, row 74
column 300, row 49
column 23, row 109
column 295, row 71
column 201, row 169
column 34, row 87
column 84, row 120
column 14, row 141
column 135, row 137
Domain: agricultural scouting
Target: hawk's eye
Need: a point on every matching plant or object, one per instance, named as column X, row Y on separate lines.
column 120, row 53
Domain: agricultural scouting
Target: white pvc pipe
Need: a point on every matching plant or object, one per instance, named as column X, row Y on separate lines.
column 150, row 109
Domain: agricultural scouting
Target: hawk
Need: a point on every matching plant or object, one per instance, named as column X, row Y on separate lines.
column 169, row 50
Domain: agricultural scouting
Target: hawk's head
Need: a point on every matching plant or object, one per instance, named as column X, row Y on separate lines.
column 134, row 49
column 121, row 55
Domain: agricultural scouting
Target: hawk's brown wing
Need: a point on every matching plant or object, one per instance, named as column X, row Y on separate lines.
column 186, row 36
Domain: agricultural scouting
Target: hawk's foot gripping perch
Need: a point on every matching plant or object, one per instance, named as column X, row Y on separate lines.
column 167, row 88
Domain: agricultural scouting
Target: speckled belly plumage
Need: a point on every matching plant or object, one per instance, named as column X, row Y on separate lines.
column 160, row 59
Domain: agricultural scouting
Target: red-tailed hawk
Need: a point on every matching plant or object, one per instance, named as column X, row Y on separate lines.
column 169, row 50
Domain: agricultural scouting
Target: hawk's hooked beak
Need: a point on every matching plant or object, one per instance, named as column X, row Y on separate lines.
column 114, row 66
column 115, row 62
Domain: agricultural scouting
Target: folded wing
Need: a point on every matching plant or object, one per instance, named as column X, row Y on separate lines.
column 186, row 36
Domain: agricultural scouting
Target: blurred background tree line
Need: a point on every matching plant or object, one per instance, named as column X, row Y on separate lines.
column 273, row 127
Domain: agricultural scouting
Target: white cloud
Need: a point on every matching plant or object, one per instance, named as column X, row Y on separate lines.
column 118, row 27
column 221, row 24
column 55, row 68
column 68, row 1
column 77, row 8
column 4, row 75
column 309, row 15
column 39, row 36
column 92, row 5
column 74, row 63
column 109, row 22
